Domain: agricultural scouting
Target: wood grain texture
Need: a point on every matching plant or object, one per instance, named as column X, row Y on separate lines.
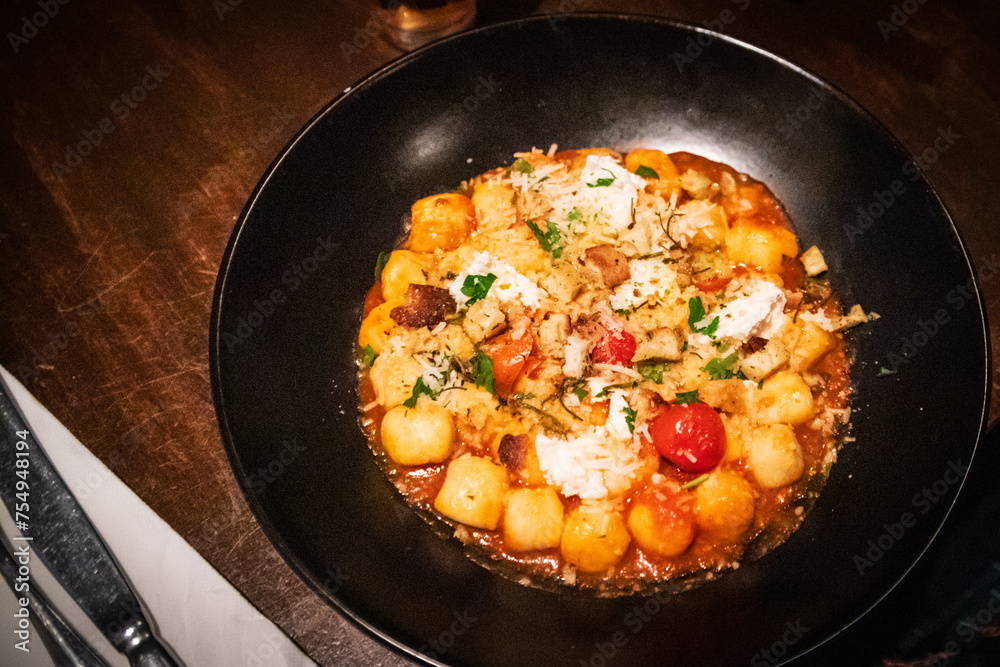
column 108, row 259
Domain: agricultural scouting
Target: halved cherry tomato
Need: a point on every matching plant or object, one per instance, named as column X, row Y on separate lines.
column 689, row 435
column 614, row 347
column 509, row 359
column 713, row 284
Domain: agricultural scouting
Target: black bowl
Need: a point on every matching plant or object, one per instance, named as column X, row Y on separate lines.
column 289, row 299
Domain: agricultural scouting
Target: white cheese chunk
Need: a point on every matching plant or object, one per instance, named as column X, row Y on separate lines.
column 756, row 311
column 617, row 418
column 508, row 286
column 608, row 186
column 650, row 277
column 577, row 353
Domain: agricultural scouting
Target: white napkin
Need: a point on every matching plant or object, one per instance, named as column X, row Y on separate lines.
column 199, row 614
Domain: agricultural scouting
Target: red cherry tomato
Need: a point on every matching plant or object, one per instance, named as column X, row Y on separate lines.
column 509, row 359
column 713, row 284
column 615, row 347
column 690, row 435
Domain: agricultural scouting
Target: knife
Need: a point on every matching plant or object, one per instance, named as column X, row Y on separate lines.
column 55, row 529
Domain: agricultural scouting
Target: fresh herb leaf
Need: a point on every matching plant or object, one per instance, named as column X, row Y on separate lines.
column 624, row 312
column 685, row 348
column 621, row 385
column 696, row 314
column 383, row 259
column 476, row 287
column 646, row 172
column 701, row 479
column 548, row 240
column 368, row 356
column 721, row 368
column 522, row 165
column 482, row 371
column 652, row 370
column 574, row 215
column 882, row 372
column 603, row 182
column 520, row 398
column 420, row 388
column 580, row 392
column 630, row 415
column 686, row 397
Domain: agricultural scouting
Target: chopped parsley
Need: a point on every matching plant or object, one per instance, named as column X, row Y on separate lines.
column 630, row 415
column 646, row 172
column 482, row 371
column 603, row 182
column 575, row 215
column 580, row 391
column 696, row 315
column 522, row 165
column 420, row 388
column 652, row 370
column 882, row 371
column 368, row 356
column 686, row 397
column 476, row 287
column 548, row 240
column 721, row 368
column 383, row 259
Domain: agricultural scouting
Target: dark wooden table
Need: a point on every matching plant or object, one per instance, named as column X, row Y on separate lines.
column 133, row 131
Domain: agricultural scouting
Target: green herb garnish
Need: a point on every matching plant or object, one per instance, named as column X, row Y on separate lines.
column 476, row 287
column 548, row 240
column 522, row 165
column 882, row 372
column 383, row 259
column 646, row 172
column 696, row 315
column 686, row 397
column 603, row 182
column 630, row 415
column 482, row 371
column 368, row 356
column 652, row 370
column 721, row 368
column 696, row 481
column 420, row 388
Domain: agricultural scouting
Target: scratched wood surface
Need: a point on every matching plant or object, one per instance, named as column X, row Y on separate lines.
column 132, row 133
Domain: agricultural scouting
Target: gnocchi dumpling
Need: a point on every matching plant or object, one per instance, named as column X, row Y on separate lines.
column 418, row 436
column 594, row 538
column 533, row 519
column 784, row 398
column 725, row 504
column 474, row 492
column 441, row 222
column 775, row 455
